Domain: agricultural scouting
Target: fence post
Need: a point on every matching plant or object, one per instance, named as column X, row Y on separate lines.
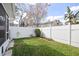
column 70, row 33
column 50, row 30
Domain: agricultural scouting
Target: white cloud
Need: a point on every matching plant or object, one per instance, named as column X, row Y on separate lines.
column 74, row 8
column 65, row 12
column 51, row 18
column 58, row 17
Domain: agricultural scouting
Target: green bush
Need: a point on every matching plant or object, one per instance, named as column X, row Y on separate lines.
column 37, row 32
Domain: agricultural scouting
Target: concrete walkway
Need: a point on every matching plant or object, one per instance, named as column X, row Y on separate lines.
column 9, row 51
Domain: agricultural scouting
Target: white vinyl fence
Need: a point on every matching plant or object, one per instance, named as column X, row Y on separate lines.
column 58, row 33
column 62, row 34
column 21, row 32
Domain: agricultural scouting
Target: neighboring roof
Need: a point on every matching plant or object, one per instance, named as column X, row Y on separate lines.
column 51, row 22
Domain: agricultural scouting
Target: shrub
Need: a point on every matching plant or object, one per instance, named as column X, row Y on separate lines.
column 37, row 32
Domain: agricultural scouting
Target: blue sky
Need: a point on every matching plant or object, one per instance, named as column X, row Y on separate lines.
column 57, row 9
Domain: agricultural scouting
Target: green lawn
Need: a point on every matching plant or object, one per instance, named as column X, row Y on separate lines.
column 42, row 47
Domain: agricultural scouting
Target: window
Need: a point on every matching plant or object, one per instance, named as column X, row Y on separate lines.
column 2, row 21
column 2, row 30
column 2, row 25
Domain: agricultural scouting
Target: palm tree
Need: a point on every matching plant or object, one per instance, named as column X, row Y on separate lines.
column 76, row 17
column 69, row 16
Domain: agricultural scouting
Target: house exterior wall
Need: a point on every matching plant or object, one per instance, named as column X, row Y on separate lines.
column 2, row 25
column 7, row 13
column 4, row 31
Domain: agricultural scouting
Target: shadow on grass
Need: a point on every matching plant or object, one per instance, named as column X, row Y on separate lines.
column 22, row 49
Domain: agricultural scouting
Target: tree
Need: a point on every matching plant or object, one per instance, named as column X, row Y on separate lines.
column 20, row 9
column 77, row 17
column 34, row 13
column 40, row 12
column 69, row 16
